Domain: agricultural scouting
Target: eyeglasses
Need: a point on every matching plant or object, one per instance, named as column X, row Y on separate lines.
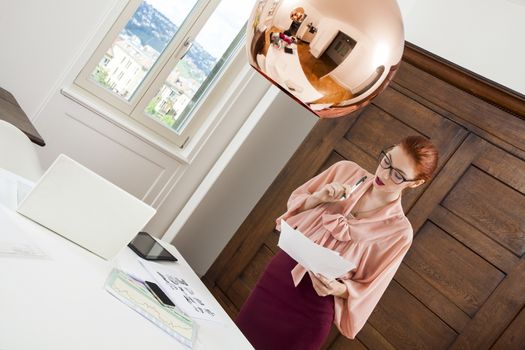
column 395, row 174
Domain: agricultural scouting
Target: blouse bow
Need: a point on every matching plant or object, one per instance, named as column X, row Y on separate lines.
column 337, row 225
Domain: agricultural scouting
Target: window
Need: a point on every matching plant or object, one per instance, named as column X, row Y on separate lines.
column 161, row 59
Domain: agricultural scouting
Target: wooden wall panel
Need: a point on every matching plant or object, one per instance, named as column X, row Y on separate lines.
column 434, row 300
column 452, row 269
column 514, row 336
column 251, row 274
column 375, row 130
column 348, row 150
column 415, row 326
column 471, row 237
column 496, row 314
column 238, row 293
column 470, row 109
column 371, row 337
column 503, row 166
column 484, row 202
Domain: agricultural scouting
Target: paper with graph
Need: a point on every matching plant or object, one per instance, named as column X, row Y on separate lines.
column 134, row 294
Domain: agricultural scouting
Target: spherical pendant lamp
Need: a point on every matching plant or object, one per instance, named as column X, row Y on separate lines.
column 331, row 56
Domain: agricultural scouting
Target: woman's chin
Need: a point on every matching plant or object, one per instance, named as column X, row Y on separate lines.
column 378, row 187
column 382, row 188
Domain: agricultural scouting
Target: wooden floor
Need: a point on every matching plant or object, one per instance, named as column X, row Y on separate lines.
column 315, row 70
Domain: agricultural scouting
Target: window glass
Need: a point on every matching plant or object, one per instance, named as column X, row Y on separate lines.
column 189, row 80
column 139, row 45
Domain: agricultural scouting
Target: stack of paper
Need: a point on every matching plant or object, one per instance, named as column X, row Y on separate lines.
column 312, row 256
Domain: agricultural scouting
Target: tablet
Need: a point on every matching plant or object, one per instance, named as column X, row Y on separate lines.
column 148, row 248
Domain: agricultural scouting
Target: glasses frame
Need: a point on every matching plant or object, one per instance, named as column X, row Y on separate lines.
column 382, row 155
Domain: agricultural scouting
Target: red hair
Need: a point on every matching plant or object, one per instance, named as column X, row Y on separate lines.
column 424, row 154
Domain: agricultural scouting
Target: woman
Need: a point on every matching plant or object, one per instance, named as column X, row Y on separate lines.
column 291, row 308
column 297, row 16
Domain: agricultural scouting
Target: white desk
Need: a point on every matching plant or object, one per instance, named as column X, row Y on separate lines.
column 61, row 303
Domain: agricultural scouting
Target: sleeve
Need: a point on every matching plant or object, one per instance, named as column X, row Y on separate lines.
column 378, row 267
column 338, row 172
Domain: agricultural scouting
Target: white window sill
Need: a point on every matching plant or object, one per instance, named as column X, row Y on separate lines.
column 124, row 122
column 128, row 124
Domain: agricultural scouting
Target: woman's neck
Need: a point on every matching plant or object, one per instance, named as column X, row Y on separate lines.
column 383, row 197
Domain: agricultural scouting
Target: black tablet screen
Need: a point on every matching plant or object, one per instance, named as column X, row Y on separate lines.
column 148, row 248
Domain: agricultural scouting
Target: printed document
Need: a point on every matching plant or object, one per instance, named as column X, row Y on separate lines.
column 312, row 256
column 181, row 292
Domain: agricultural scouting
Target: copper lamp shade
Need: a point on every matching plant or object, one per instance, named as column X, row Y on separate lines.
column 332, row 56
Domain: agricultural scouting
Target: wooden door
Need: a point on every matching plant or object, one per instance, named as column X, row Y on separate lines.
column 462, row 283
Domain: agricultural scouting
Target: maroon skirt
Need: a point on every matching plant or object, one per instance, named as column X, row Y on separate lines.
column 278, row 315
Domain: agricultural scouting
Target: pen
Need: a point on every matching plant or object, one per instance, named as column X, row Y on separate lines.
column 354, row 187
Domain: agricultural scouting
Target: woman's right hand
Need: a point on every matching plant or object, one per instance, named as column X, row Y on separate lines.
column 332, row 192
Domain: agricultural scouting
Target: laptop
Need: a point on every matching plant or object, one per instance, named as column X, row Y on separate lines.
column 85, row 208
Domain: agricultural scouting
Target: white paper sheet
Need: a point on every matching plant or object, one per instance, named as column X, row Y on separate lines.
column 181, row 292
column 14, row 243
column 130, row 263
column 312, row 256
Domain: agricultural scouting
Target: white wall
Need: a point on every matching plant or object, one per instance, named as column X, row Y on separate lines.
column 484, row 36
column 39, row 40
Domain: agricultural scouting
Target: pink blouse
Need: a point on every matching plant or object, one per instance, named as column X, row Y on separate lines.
column 376, row 244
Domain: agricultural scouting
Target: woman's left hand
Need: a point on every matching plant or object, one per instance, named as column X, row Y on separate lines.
column 324, row 286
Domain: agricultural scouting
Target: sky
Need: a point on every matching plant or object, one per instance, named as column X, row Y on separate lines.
column 220, row 29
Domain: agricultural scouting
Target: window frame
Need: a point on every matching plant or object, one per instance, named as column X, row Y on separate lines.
column 155, row 78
